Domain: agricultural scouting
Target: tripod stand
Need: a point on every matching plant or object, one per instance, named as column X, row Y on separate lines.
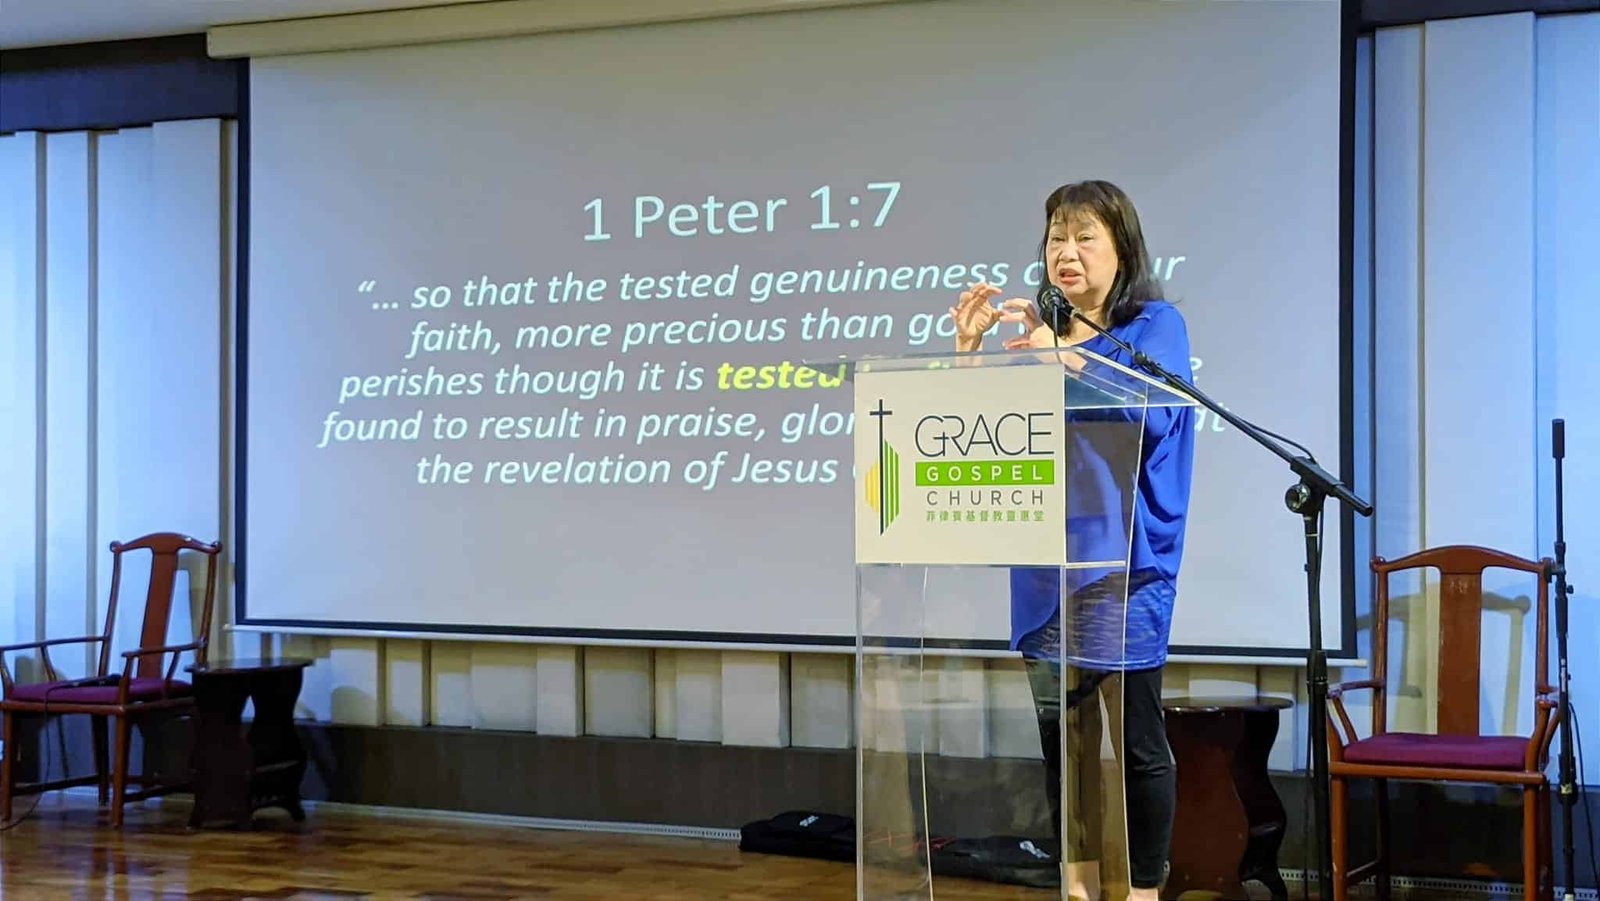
column 1568, row 771
column 1306, row 497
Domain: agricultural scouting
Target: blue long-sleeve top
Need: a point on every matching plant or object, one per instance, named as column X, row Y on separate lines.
column 1109, row 625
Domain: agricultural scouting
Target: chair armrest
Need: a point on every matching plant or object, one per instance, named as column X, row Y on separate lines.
column 43, row 647
column 50, row 642
column 1546, row 719
column 1338, row 691
column 128, row 657
column 1344, row 732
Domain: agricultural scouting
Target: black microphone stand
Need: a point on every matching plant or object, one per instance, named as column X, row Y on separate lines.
column 1306, row 497
column 1568, row 776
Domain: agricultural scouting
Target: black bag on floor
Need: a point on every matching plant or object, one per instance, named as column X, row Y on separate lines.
column 1010, row 859
column 802, row 833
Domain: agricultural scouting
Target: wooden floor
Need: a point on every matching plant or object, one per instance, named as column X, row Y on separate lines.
column 67, row 850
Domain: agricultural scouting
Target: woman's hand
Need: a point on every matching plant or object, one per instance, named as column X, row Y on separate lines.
column 1018, row 309
column 1037, row 337
column 1042, row 338
column 974, row 316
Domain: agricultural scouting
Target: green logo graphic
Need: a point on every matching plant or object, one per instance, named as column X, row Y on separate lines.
column 883, row 486
column 883, row 479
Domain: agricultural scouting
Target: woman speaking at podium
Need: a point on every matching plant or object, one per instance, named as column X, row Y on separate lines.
column 1117, row 627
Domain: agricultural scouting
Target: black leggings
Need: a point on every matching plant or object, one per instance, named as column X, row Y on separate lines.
column 1150, row 777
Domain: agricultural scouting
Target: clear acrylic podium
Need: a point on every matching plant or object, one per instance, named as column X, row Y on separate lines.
column 994, row 507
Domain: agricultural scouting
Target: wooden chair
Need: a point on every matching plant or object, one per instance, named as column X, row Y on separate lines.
column 144, row 689
column 1458, row 751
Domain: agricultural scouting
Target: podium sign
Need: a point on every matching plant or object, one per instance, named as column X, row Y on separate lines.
column 960, row 466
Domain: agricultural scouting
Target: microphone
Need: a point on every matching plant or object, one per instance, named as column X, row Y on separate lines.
column 1051, row 306
column 1054, row 302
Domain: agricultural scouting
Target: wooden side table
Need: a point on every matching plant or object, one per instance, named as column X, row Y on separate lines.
column 236, row 771
column 1230, row 821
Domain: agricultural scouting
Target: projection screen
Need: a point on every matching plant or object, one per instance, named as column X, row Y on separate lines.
column 522, row 314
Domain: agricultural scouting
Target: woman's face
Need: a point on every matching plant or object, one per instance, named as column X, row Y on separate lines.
column 1081, row 259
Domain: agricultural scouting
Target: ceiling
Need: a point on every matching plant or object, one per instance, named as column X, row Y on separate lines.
column 33, row 23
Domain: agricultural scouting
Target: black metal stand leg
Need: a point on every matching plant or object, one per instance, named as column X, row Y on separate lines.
column 1568, row 789
column 1308, row 501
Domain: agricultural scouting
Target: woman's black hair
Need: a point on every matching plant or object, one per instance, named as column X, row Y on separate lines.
column 1135, row 284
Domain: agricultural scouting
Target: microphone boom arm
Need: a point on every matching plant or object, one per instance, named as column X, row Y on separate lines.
column 1306, row 498
column 1305, row 466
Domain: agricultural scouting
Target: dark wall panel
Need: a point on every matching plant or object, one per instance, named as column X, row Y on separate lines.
column 116, row 84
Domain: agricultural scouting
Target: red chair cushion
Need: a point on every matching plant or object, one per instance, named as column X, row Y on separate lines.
column 1466, row 752
column 148, row 689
